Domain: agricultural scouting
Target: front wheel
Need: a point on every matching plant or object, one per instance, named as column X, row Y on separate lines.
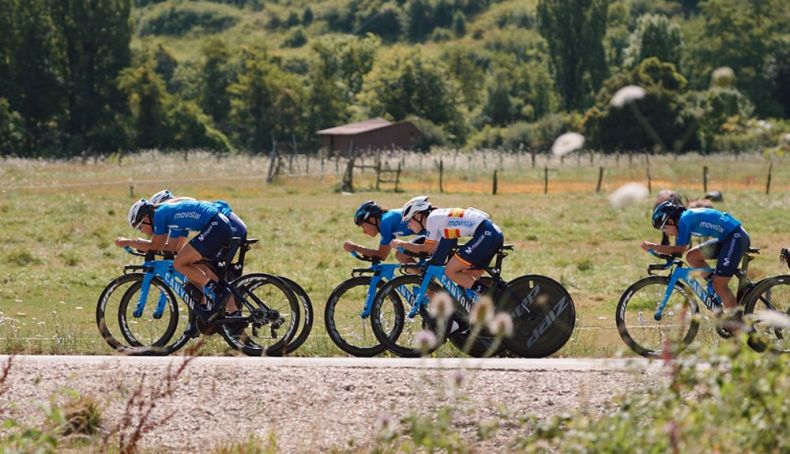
column 346, row 327
column 398, row 333
column 768, row 308
column 636, row 323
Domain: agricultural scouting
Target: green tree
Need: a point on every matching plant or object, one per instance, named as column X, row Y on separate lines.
column 418, row 22
column 266, row 102
column 664, row 107
column 655, row 36
column 443, row 13
column 574, row 30
column 96, row 36
column 307, row 16
column 498, row 107
column 215, row 77
column 459, row 24
column 12, row 130
column 747, row 36
column 408, row 83
column 39, row 76
column 148, row 99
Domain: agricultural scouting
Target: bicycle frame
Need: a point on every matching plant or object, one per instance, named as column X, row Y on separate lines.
column 164, row 270
column 381, row 271
column 685, row 275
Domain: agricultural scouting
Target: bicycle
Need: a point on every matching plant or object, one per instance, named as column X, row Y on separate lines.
column 654, row 307
column 542, row 311
column 348, row 328
column 770, row 294
column 279, row 312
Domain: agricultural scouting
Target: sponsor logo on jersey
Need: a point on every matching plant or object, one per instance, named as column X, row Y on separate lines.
column 712, row 226
column 187, row 215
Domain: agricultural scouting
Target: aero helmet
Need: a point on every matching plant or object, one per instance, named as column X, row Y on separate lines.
column 367, row 210
column 665, row 211
column 414, row 206
column 161, row 196
column 139, row 210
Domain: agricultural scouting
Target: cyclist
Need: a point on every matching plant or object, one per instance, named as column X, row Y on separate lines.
column 444, row 226
column 238, row 226
column 375, row 220
column 729, row 241
column 167, row 220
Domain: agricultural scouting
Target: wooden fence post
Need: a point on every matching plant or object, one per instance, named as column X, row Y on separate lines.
column 378, row 174
column 768, row 183
column 532, row 152
column 495, row 183
column 131, row 191
column 649, row 181
column 600, row 180
column 546, row 180
column 705, row 179
column 397, row 177
column 441, row 176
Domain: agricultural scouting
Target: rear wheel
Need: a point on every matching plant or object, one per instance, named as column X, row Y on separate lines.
column 767, row 306
column 269, row 319
column 485, row 343
column 543, row 315
column 642, row 332
column 306, row 314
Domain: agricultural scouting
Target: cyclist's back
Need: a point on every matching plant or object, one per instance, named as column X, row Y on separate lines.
column 706, row 222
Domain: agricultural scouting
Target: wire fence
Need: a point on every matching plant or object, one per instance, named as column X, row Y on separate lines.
column 445, row 170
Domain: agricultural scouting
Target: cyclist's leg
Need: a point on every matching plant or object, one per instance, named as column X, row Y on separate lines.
column 209, row 244
column 477, row 252
column 698, row 255
column 732, row 249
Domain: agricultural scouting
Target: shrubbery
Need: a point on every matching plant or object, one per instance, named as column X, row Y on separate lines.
column 181, row 18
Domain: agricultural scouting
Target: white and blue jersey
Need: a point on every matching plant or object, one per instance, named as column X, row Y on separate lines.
column 705, row 222
column 392, row 226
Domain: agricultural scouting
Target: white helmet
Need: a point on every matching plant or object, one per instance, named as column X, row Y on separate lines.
column 161, row 196
column 139, row 210
column 414, row 206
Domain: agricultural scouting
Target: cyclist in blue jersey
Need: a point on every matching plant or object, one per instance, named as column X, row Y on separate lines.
column 729, row 241
column 375, row 220
column 238, row 226
column 174, row 220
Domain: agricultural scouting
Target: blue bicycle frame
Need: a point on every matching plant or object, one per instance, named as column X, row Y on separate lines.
column 685, row 275
column 420, row 300
column 164, row 270
column 381, row 271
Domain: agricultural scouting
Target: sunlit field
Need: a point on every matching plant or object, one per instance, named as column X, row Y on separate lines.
column 58, row 221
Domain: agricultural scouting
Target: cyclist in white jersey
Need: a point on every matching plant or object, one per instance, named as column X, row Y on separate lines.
column 444, row 226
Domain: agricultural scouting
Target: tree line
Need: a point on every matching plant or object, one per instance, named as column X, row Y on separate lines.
column 716, row 75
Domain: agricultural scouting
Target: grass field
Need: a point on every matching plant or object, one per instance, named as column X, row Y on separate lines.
column 58, row 221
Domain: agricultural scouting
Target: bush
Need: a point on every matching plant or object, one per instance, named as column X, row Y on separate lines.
column 179, row 19
column 739, row 404
column 297, row 38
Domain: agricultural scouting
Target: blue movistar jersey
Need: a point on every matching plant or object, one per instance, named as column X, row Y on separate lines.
column 392, row 226
column 180, row 218
column 223, row 207
column 705, row 222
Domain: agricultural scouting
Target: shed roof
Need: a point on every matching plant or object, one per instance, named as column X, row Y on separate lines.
column 356, row 128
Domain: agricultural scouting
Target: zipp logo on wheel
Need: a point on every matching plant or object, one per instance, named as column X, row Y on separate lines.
column 555, row 312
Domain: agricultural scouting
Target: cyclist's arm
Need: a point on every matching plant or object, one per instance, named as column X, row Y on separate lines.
column 664, row 249
column 382, row 252
column 428, row 246
column 156, row 243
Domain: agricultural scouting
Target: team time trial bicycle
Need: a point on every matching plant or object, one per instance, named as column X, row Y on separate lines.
column 542, row 311
column 657, row 308
column 147, row 320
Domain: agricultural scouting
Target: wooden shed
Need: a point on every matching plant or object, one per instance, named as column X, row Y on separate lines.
column 374, row 134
